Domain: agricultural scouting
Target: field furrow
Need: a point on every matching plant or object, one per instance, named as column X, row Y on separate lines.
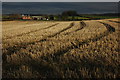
column 17, row 47
column 12, row 33
column 78, row 26
column 114, row 21
column 35, row 36
column 63, row 49
column 68, row 44
column 18, row 35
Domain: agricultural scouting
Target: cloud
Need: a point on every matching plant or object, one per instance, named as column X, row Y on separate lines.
column 60, row 0
column 55, row 8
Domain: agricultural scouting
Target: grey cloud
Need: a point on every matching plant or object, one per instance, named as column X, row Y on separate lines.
column 56, row 8
column 60, row 0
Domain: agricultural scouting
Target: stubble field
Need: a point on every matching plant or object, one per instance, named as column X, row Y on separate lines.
column 61, row 49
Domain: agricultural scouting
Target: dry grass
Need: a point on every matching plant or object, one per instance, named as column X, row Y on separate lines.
column 61, row 49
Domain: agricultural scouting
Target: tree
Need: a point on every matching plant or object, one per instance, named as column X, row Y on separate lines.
column 15, row 16
column 51, row 17
column 66, row 14
column 69, row 13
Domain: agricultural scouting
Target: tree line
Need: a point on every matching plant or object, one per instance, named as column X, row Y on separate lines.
column 70, row 15
column 63, row 16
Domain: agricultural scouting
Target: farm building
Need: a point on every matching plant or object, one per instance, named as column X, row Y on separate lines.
column 26, row 17
column 40, row 18
column 45, row 18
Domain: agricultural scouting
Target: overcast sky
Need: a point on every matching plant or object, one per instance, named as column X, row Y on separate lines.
column 58, row 7
column 60, row 0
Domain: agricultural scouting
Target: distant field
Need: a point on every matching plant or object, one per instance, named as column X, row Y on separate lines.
column 98, row 17
column 61, row 49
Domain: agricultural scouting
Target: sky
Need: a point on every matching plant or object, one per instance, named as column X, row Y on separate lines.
column 58, row 7
column 60, row 0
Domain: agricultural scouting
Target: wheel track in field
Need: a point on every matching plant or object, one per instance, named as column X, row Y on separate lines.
column 31, row 31
column 82, row 25
column 13, row 49
column 114, row 21
column 108, row 27
column 70, row 26
column 59, row 53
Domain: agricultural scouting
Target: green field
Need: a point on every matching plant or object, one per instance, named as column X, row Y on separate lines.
column 99, row 17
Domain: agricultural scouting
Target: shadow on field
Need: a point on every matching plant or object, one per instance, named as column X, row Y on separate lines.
column 36, row 68
column 67, row 67
column 74, row 68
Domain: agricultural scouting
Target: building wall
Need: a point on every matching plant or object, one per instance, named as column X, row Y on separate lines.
column 26, row 17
